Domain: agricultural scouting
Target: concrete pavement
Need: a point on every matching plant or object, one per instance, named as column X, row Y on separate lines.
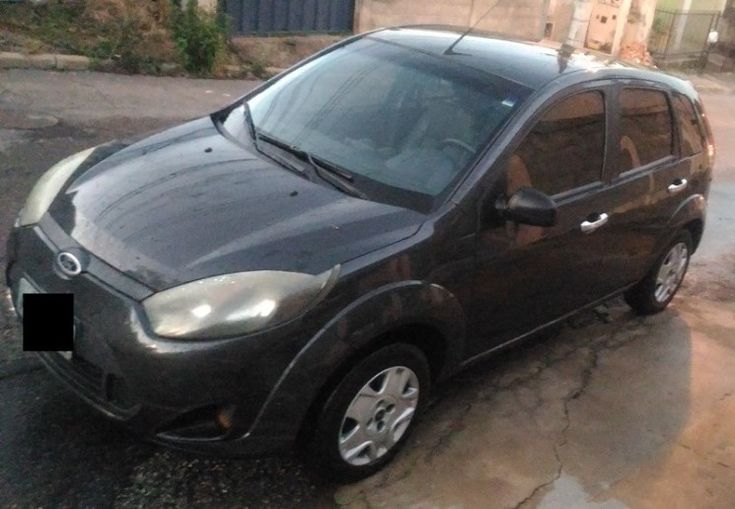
column 614, row 411
column 712, row 83
column 620, row 412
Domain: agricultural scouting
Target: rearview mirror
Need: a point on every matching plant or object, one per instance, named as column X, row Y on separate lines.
column 529, row 206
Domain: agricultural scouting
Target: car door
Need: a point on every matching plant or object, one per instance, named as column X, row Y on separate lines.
column 648, row 177
column 527, row 276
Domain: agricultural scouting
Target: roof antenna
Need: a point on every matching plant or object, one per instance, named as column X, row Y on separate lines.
column 450, row 49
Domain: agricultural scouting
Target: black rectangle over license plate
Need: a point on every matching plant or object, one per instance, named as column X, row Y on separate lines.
column 48, row 322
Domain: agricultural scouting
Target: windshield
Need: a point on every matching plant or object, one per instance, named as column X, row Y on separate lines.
column 404, row 124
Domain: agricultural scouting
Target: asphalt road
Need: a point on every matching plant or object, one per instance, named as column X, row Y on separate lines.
column 612, row 411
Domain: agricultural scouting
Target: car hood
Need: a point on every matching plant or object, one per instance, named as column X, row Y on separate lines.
column 189, row 203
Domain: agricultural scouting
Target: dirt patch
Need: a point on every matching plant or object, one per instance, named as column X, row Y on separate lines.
column 99, row 29
column 713, row 280
column 280, row 52
column 137, row 37
column 152, row 37
column 26, row 121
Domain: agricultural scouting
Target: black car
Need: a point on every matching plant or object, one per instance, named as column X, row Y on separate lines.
column 298, row 269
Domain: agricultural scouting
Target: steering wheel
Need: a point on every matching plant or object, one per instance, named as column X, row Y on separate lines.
column 457, row 143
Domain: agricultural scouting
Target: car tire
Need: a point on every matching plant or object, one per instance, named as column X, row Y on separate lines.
column 660, row 285
column 368, row 416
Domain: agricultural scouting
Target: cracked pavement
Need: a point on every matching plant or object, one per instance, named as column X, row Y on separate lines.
column 610, row 410
column 613, row 411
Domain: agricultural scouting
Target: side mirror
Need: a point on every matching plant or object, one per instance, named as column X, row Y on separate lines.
column 528, row 206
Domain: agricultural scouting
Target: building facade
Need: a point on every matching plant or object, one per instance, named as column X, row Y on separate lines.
column 516, row 18
column 609, row 26
column 639, row 30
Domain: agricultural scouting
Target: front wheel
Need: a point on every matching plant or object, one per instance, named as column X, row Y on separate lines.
column 368, row 416
column 658, row 288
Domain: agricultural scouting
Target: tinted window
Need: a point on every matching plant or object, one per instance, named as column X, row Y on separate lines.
column 565, row 149
column 692, row 139
column 406, row 125
column 646, row 130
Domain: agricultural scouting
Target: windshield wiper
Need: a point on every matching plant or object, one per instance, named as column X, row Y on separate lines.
column 331, row 168
column 327, row 171
column 257, row 136
column 294, row 151
column 322, row 168
column 251, row 125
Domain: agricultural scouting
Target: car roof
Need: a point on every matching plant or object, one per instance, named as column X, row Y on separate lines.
column 527, row 63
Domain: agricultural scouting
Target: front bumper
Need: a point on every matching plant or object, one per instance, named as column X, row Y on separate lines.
column 203, row 396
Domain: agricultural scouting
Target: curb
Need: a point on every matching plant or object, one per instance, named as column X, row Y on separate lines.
column 46, row 61
column 58, row 62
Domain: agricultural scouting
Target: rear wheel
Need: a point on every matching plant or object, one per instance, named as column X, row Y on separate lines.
column 658, row 288
column 368, row 416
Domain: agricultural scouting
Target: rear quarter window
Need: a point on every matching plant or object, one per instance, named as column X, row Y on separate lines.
column 692, row 135
column 646, row 128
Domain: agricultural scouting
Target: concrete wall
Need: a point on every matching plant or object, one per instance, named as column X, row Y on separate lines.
column 639, row 22
column 560, row 14
column 634, row 20
column 208, row 4
column 518, row 18
column 692, row 5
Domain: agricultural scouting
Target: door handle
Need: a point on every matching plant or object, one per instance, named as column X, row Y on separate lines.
column 591, row 226
column 678, row 185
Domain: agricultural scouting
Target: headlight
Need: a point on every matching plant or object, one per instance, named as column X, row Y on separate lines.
column 235, row 304
column 48, row 186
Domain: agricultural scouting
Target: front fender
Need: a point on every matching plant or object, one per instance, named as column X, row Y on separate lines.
column 353, row 330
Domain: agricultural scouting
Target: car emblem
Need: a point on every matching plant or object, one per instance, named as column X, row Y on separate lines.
column 69, row 263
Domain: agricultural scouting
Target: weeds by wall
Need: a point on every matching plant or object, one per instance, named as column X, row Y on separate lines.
column 199, row 37
column 135, row 35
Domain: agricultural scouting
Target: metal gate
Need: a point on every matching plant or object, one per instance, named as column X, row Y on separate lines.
column 264, row 17
column 679, row 38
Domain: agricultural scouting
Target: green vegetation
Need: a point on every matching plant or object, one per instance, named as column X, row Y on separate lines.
column 136, row 36
column 199, row 37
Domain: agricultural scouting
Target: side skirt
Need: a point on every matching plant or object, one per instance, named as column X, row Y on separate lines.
column 512, row 342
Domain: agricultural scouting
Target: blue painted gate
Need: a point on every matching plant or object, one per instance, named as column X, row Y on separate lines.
column 263, row 17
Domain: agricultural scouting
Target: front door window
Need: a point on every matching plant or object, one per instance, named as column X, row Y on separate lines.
column 565, row 149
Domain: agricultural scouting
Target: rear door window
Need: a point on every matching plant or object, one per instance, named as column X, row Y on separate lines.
column 565, row 149
column 692, row 137
column 646, row 128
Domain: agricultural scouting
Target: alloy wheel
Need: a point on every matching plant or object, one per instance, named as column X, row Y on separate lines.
column 379, row 415
column 671, row 272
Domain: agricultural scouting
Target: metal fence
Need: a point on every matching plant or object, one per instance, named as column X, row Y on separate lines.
column 680, row 38
column 266, row 17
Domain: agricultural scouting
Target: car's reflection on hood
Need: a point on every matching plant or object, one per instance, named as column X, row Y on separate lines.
column 189, row 203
